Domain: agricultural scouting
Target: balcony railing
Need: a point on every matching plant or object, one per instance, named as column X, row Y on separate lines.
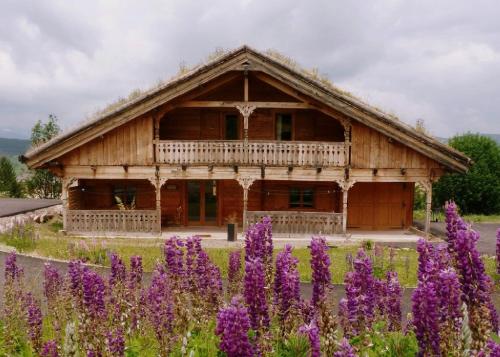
column 143, row 221
column 293, row 222
column 236, row 152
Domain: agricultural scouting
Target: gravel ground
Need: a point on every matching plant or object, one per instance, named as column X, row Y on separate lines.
column 12, row 206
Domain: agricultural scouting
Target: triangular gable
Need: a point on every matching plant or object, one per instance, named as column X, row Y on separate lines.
column 245, row 58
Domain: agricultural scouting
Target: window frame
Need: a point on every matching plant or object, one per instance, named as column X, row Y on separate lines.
column 301, row 203
column 277, row 116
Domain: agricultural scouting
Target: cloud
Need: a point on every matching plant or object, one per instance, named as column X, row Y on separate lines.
column 438, row 61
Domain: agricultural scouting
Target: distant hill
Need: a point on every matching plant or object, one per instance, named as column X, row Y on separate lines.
column 13, row 147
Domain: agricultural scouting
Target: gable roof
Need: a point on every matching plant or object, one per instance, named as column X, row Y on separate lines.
column 247, row 58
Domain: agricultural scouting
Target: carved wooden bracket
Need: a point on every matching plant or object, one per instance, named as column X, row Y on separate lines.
column 345, row 185
column 158, row 180
column 245, row 182
column 68, row 181
column 426, row 185
column 246, row 110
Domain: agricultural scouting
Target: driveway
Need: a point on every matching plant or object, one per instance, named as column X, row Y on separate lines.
column 12, row 206
column 487, row 232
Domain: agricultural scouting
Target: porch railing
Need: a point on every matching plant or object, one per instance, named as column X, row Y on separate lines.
column 144, row 221
column 294, row 222
column 236, row 152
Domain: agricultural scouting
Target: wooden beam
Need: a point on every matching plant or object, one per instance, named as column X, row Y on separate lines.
column 245, row 88
column 230, row 104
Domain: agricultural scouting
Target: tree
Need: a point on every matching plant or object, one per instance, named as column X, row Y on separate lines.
column 478, row 190
column 43, row 183
column 8, row 180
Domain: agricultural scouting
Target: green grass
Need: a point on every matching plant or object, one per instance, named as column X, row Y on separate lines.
column 472, row 218
column 55, row 245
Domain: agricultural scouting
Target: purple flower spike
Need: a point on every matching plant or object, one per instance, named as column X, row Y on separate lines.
column 174, row 258
column 234, row 272
column 93, row 294
column 393, row 301
column 52, row 283
column 345, row 349
column 255, row 296
column 286, row 282
column 118, row 271
column 425, row 310
column 12, row 271
column 233, row 325
column 34, row 319
column 116, row 343
column 498, row 251
column 312, row 332
column 49, row 349
column 320, row 264
column 136, row 271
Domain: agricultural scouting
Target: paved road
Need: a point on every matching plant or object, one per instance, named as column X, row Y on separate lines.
column 33, row 273
column 12, row 206
column 487, row 231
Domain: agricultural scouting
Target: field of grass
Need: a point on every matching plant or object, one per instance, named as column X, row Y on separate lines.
column 47, row 242
column 419, row 215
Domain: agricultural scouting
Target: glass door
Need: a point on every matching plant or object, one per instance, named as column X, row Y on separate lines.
column 202, row 202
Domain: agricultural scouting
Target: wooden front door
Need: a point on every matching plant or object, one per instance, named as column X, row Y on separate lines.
column 201, row 203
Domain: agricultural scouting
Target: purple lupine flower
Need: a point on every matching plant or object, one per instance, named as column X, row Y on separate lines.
column 118, row 273
column 93, row 294
column 34, row 320
column 75, row 273
column 259, row 243
column 345, row 349
column 425, row 310
column 449, row 295
column 361, row 295
column 498, row 251
column 393, row 301
column 234, row 272
column 49, row 349
column 311, row 330
column 135, row 275
column 255, row 295
column 115, row 343
column 174, row 257
column 493, row 348
column 454, row 224
column 159, row 304
column 233, row 325
column 307, row 310
column 343, row 316
column 52, row 283
column 320, row 264
column 286, row 282
column 193, row 249
column 12, row 271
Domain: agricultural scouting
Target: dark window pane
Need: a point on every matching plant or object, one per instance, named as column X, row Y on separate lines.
column 284, row 127
column 194, row 207
column 294, row 198
column 232, row 127
column 308, row 198
column 210, row 202
column 126, row 194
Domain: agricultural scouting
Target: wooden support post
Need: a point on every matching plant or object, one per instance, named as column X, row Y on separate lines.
column 345, row 185
column 158, row 182
column 428, row 207
column 246, row 111
column 347, row 143
column 65, row 184
column 344, row 211
column 245, row 88
column 156, row 134
column 245, row 182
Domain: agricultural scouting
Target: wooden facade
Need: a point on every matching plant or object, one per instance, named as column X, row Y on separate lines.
column 239, row 137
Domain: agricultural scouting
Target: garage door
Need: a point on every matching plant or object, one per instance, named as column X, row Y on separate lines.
column 380, row 205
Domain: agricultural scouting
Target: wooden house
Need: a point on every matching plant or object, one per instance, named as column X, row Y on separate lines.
column 243, row 136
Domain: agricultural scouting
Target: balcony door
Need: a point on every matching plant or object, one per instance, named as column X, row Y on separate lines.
column 202, row 202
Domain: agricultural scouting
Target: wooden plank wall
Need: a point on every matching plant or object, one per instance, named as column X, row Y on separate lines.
column 208, row 124
column 130, row 144
column 372, row 149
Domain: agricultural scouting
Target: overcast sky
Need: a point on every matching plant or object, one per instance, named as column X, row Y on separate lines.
column 434, row 60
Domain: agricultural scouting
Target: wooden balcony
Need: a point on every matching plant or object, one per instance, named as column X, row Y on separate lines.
column 130, row 221
column 294, row 222
column 254, row 153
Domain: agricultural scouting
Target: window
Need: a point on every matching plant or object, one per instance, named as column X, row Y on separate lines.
column 231, row 127
column 284, row 127
column 301, row 198
column 125, row 194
